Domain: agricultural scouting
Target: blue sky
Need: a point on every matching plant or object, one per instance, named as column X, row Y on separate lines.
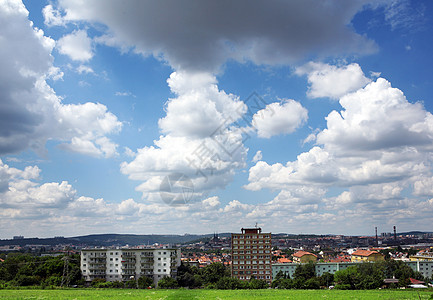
column 200, row 117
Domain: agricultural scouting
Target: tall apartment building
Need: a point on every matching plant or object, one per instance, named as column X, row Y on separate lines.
column 251, row 254
column 126, row 264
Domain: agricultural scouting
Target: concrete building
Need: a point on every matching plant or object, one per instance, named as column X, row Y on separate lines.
column 304, row 257
column 422, row 255
column 126, row 264
column 424, row 267
column 366, row 256
column 251, row 254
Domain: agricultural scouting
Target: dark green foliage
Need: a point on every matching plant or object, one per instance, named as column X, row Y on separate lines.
column 280, row 275
column 348, row 277
column 256, row 284
column 97, row 282
column 144, row 282
column 167, row 283
column 229, row 283
column 283, row 283
column 27, row 280
column 117, row 284
column 27, row 270
column 326, row 279
column 213, row 272
column 312, row 284
column 305, row 271
column 188, row 276
column 131, row 284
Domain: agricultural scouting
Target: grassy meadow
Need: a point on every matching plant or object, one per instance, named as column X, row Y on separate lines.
column 213, row 294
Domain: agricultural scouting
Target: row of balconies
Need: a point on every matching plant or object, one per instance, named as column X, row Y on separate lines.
column 128, row 266
column 97, row 267
column 102, row 254
column 97, row 273
column 97, row 261
column 146, row 254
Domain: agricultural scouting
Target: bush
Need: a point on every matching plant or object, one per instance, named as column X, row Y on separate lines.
column 256, row 284
column 342, row 287
column 27, row 280
column 97, row 281
column 144, row 282
column 167, row 283
column 312, row 284
column 118, row 284
column 131, row 284
column 229, row 283
column 53, row 281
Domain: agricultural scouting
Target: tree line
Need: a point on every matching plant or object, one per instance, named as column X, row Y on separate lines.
column 17, row 269
column 359, row 277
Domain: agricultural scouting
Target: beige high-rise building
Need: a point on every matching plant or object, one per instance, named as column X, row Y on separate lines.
column 251, row 254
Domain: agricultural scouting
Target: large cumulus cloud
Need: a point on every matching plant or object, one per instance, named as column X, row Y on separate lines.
column 30, row 111
column 374, row 155
column 201, row 35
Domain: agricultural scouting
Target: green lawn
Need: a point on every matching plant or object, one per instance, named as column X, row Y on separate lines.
column 213, row 294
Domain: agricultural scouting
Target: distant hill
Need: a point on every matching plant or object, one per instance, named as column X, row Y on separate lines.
column 111, row 239
column 414, row 233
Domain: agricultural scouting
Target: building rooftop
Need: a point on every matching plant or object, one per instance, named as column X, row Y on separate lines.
column 364, row 252
column 302, row 253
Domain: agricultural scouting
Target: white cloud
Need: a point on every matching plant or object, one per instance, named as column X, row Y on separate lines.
column 279, row 118
column 77, row 45
column 35, row 209
column 129, row 152
column 377, row 117
column 332, row 81
column 124, row 94
column 375, row 151
column 84, row 69
column 52, row 17
column 241, row 31
column 258, row 156
column 200, row 139
column 200, row 107
column 32, row 113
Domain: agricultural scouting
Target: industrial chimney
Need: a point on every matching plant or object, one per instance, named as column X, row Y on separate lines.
column 395, row 234
column 377, row 243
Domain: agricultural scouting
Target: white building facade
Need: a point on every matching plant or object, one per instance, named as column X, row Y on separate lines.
column 129, row 264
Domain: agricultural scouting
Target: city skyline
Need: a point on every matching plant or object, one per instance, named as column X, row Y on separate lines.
column 195, row 117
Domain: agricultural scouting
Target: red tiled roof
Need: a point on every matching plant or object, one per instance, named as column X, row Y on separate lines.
column 302, row 253
column 284, row 260
column 364, row 252
column 415, row 281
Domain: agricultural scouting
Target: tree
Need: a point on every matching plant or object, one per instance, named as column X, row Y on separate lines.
column 279, row 275
column 229, row 283
column 131, row 284
column 305, row 271
column 167, row 283
column 214, row 272
column 326, row 279
column 312, row 284
column 256, row 284
column 187, row 276
column 349, row 277
column 144, row 282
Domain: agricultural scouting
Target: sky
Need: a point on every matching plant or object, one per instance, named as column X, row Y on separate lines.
column 191, row 117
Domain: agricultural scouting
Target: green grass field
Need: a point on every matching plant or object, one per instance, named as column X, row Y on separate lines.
column 213, row 294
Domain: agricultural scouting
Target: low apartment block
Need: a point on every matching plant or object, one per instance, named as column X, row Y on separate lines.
column 129, row 264
column 424, row 267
